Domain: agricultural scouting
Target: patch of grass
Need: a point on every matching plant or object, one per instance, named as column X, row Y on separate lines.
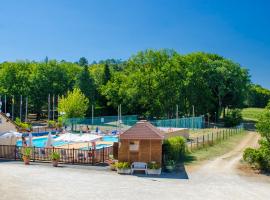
column 217, row 149
column 200, row 132
column 252, row 114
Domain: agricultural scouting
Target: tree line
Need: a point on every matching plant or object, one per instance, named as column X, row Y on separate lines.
column 151, row 83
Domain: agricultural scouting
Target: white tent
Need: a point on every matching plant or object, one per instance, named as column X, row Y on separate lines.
column 88, row 138
column 49, row 141
column 67, row 137
column 9, row 138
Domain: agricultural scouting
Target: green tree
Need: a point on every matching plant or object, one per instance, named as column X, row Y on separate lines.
column 263, row 125
column 75, row 104
column 86, row 84
column 83, row 62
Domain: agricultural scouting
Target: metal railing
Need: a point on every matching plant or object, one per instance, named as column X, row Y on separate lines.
column 69, row 156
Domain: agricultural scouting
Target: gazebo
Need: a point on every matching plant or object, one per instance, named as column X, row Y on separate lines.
column 140, row 143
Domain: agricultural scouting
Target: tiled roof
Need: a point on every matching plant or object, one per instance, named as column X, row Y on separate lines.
column 142, row 130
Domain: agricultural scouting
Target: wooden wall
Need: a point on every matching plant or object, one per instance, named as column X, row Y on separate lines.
column 149, row 150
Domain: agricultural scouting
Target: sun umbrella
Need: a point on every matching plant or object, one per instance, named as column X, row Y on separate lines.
column 88, row 138
column 67, row 137
column 49, row 140
column 30, row 142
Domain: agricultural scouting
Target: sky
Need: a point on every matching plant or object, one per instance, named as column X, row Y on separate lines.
column 100, row 29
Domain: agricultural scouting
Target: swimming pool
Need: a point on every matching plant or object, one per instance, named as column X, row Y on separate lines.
column 110, row 138
column 40, row 142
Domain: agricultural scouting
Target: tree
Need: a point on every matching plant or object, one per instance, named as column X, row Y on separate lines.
column 263, row 125
column 83, row 62
column 258, row 96
column 86, row 84
column 107, row 73
column 74, row 105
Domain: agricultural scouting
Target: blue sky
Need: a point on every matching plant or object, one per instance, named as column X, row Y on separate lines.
column 100, row 29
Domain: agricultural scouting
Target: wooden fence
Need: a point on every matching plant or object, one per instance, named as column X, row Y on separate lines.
column 212, row 138
column 71, row 156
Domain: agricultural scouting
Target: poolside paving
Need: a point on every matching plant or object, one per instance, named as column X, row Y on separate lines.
column 42, row 181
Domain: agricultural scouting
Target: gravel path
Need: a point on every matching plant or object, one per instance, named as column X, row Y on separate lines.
column 217, row 179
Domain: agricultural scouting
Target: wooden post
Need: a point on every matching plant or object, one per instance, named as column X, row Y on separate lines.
column 197, row 142
column 212, row 138
column 73, row 156
column 34, row 157
column 203, row 140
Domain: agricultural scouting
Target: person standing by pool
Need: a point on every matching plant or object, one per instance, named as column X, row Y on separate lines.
column 24, row 143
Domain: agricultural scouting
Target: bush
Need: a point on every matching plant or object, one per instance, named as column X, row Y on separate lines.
column 153, row 165
column 259, row 158
column 175, row 148
column 22, row 125
column 233, row 118
column 122, row 165
column 55, row 156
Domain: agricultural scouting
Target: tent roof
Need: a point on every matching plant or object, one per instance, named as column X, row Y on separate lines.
column 142, row 130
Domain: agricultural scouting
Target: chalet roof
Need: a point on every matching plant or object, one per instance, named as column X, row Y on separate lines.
column 9, row 120
column 142, row 130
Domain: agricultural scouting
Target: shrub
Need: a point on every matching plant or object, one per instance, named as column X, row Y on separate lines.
column 55, row 156
column 22, row 125
column 122, row 165
column 153, row 165
column 259, row 158
column 51, row 124
column 233, row 118
column 175, row 148
column 26, row 152
column 170, row 163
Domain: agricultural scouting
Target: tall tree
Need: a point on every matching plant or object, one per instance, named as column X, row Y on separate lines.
column 83, row 62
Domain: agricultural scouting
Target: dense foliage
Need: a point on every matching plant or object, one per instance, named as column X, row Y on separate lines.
column 258, row 96
column 150, row 83
column 233, row 118
column 75, row 104
column 260, row 158
column 174, row 148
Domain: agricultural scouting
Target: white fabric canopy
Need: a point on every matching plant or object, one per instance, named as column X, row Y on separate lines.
column 88, row 138
column 9, row 138
column 11, row 134
column 67, row 137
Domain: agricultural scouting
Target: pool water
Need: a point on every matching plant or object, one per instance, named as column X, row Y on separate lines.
column 40, row 142
column 109, row 138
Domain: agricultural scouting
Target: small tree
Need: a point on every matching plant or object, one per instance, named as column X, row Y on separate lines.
column 263, row 125
column 75, row 104
column 233, row 118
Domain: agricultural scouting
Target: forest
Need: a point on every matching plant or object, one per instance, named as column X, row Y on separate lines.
column 150, row 83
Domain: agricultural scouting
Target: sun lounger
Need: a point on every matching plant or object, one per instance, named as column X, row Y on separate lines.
column 138, row 166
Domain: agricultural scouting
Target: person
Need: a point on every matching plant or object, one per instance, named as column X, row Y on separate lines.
column 24, row 143
column 87, row 129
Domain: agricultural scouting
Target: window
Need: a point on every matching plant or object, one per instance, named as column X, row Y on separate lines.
column 134, row 146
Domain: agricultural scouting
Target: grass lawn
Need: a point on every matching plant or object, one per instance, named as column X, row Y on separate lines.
column 252, row 113
column 193, row 134
column 215, row 150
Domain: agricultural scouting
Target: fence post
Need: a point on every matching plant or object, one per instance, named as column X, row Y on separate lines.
column 197, row 142
column 93, row 156
column 208, row 139
column 203, row 140
column 103, row 156
column 212, row 138
column 73, row 156
column 190, row 145
column 223, row 135
column 15, row 152
column 34, row 159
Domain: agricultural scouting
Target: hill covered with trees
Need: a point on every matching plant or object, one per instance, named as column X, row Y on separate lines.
column 150, row 83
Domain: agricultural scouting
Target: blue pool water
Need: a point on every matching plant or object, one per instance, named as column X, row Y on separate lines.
column 40, row 142
column 109, row 138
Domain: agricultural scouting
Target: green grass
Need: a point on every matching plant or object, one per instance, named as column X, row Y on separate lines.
column 252, row 114
column 218, row 149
